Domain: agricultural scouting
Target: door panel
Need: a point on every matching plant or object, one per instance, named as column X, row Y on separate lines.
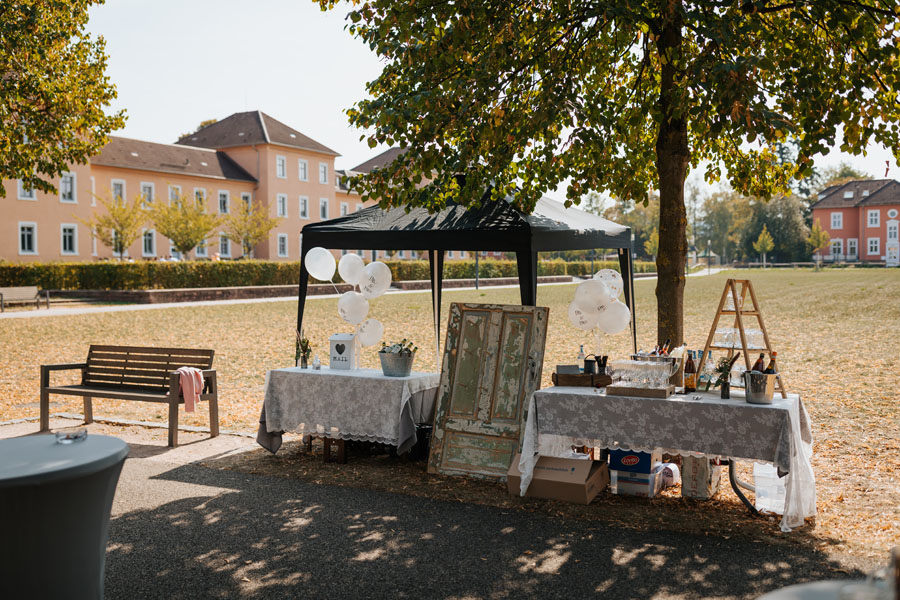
column 492, row 362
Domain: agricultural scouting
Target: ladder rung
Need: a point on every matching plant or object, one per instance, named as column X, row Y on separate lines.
column 744, row 313
column 749, row 349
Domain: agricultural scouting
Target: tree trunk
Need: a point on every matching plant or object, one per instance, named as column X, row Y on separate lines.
column 672, row 157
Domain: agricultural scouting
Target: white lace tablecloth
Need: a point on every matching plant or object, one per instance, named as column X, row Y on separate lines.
column 359, row 404
column 777, row 433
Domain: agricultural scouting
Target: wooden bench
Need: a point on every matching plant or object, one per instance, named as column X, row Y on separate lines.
column 23, row 295
column 135, row 373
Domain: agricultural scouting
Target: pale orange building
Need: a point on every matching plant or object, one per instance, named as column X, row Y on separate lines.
column 246, row 157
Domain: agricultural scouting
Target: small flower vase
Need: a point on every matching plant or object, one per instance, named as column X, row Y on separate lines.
column 726, row 390
column 303, row 362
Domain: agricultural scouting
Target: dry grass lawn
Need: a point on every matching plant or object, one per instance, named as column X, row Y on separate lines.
column 836, row 333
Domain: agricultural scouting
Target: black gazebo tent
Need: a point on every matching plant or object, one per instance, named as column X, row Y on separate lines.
column 495, row 226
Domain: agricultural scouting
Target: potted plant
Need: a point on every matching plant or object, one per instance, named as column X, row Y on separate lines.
column 397, row 358
column 723, row 370
column 302, row 351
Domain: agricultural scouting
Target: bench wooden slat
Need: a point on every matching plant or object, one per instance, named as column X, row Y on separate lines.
column 143, row 372
column 113, row 380
column 147, row 357
column 145, row 350
column 143, row 364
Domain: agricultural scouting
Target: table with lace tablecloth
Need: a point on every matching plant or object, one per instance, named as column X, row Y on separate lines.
column 357, row 404
column 700, row 424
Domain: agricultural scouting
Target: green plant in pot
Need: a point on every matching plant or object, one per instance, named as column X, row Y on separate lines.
column 397, row 358
column 302, row 351
column 723, row 370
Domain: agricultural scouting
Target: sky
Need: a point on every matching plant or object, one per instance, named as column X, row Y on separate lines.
column 176, row 63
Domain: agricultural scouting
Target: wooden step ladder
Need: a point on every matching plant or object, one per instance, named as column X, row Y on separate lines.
column 731, row 288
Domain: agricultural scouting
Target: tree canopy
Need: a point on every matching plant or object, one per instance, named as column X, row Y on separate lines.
column 623, row 97
column 248, row 227
column 53, row 91
column 120, row 226
column 184, row 221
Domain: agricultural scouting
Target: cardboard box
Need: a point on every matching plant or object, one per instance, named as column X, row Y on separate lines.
column 644, row 485
column 699, row 478
column 634, row 462
column 567, row 479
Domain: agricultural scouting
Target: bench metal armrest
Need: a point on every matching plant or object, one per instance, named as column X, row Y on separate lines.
column 209, row 380
column 45, row 371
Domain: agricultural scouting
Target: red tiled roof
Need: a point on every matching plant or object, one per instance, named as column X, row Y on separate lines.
column 859, row 192
column 252, row 127
column 168, row 158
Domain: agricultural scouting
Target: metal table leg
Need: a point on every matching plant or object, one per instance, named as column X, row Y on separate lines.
column 732, row 478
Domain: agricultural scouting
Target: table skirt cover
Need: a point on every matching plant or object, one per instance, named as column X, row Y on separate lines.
column 778, row 433
column 358, row 404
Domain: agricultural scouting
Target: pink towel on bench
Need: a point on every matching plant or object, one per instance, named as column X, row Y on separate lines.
column 191, row 381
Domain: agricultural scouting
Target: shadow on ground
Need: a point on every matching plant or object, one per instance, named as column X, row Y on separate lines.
column 267, row 537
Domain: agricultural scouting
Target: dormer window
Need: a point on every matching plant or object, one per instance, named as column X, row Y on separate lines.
column 848, row 195
column 865, row 193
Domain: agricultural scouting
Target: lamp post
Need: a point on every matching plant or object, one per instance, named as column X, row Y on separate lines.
column 708, row 257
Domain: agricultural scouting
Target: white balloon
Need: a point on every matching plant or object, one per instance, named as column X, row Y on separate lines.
column 591, row 295
column 370, row 332
column 613, row 281
column 350, row 268
column 353, row 307
column 581, row 319
column 375, row 280
column 614, row 318
column 320, row 263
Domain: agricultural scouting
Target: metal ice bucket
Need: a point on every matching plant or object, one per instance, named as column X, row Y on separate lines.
column 759, row 387
column 394, row 364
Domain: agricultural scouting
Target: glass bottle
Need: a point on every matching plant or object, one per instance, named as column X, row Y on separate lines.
column 580, row 359
column 772, row 368
column 317, row 364
column 690, row 373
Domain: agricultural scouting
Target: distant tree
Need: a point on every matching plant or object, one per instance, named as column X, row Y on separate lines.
column 764, row 244
column 783, row 217
column 120, row 226
column 202, row 124
column 184, row 221
column 651, row 246
column 247, row 227
column 54, row 94
column 818, row 240
column 642, row 217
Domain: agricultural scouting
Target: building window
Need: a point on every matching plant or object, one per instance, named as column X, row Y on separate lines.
column 200, row 196
column 174, row 193
column 224, row 246
column 200, row 251
column 26, row 193
column 345, row 208
column 176, row 255
column 359, row 253
column 874, row 245
column 118, row 191
column 892, row 231
column 148, row 243
column 323, row 208
column 359, row 207
column 848, row 195
column 282, row 245
column 323, row 173
column 93, row 191
column 892, row 214
column 93, row 242
column 450, row 254
column 280, row 167
column 303, row 169
column 67, row 188
column 344, row 252
column 147, row 196
column 874, row 219
column 837, row 220
column 68, row 243
column 300, row 245
column 224, row 202
column 304, row 207
column 248, row 200
column 28, row 238
column 281, row 204
column 402, row 254
column 851, row 248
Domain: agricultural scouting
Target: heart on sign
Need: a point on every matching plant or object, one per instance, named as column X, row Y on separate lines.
column 340, row 348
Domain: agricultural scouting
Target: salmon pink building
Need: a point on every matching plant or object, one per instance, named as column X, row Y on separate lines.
column 247, row 157
column 863, row 220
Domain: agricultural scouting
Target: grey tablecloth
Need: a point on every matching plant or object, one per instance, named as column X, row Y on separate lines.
column 359, row 404
column 778, row 433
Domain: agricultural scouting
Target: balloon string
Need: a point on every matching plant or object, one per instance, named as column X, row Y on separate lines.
column 336, row 291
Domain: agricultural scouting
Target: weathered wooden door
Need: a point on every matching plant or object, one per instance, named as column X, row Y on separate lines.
column 492, row 362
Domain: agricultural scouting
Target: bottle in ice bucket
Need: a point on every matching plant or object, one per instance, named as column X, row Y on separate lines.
column 580, row 359
column 772, row 368
column 664, row 349
column 760, row 363
column 690, row 373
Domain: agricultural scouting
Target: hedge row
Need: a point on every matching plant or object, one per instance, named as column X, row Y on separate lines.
column 188, row 274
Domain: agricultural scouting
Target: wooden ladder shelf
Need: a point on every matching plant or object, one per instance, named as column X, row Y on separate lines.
column 737, row 298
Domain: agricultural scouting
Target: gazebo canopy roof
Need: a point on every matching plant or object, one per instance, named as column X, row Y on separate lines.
column 495, row 225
